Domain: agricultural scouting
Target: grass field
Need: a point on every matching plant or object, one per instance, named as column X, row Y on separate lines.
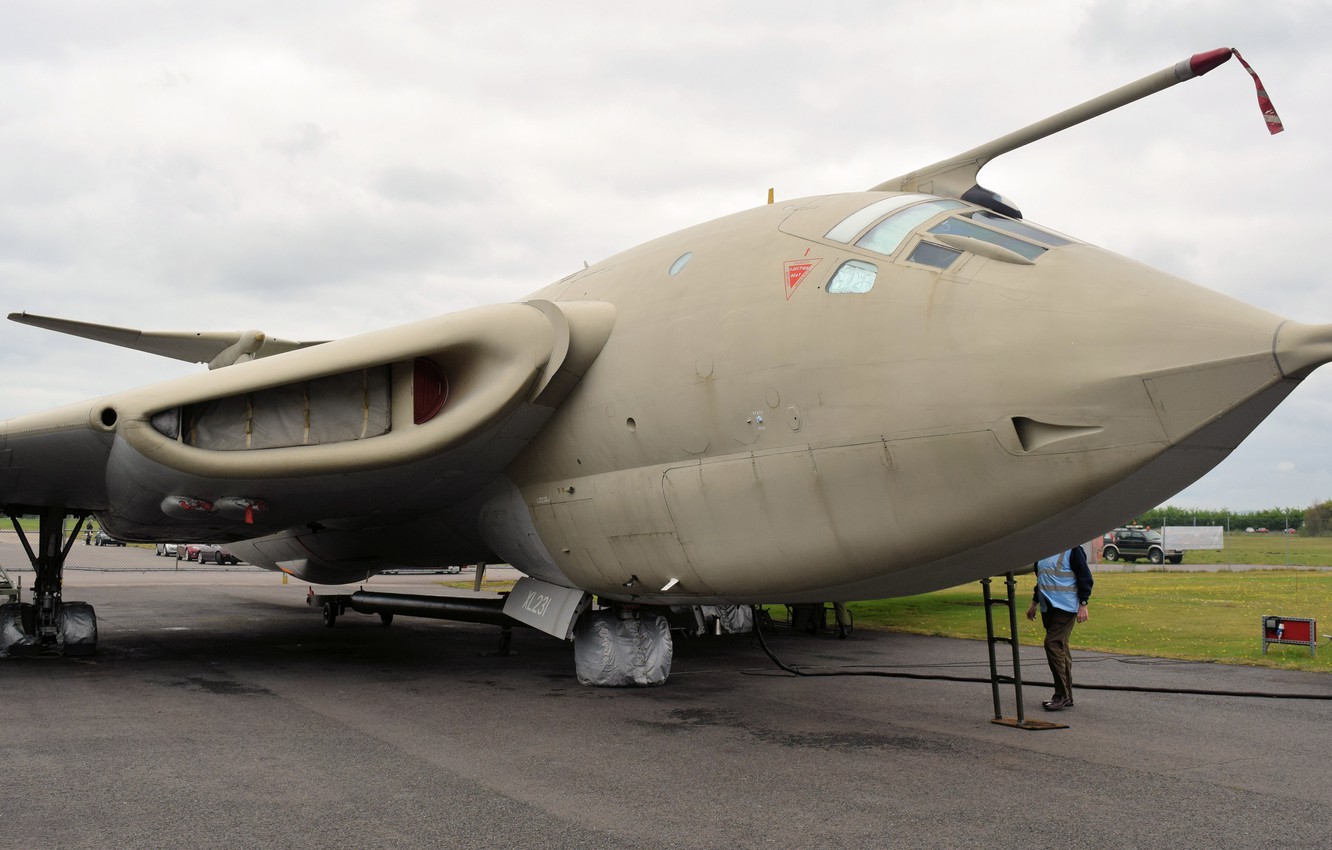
column 1281, row 549
column 1198, row 616
column 487, row 585
column 1194, row 616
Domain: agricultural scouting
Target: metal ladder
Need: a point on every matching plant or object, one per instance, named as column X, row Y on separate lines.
column 1019, row 722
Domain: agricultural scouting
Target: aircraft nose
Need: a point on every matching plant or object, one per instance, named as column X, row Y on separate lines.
column 1301, row 348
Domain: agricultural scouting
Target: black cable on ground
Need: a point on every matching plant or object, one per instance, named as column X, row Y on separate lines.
column 796, row 671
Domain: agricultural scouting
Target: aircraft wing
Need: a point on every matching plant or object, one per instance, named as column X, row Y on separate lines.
column 370, row 431
column 216, row 348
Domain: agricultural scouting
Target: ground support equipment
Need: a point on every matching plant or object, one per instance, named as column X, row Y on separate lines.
column 1019, row 722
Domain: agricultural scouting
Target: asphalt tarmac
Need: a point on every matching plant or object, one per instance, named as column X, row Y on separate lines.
column 221, row 712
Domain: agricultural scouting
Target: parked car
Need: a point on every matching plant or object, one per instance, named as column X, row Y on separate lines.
column 104, row 539
column 196, row 551
column 167, row 550
column 1134, row 542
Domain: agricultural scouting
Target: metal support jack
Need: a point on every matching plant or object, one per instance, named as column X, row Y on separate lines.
column 1019, row 722
column 505, row 645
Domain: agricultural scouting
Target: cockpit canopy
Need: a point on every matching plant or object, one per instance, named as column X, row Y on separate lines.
column 884, row 226
column 946, row 229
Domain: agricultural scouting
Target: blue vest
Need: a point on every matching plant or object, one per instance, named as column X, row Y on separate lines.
column 1056, row 582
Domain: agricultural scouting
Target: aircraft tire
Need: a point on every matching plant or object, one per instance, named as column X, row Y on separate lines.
column 330, row 614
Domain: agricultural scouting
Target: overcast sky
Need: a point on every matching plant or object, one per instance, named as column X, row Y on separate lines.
column 317, row 169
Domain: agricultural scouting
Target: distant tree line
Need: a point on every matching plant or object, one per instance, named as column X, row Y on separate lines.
column 1313, row 521
column 1318, row 520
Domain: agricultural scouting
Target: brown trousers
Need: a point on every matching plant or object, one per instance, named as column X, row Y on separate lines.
column 1058, row 626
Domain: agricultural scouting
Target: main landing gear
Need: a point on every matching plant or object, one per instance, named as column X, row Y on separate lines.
column 48, row 625
column 623, row 646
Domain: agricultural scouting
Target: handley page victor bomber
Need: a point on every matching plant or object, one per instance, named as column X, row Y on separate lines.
column 841, row 397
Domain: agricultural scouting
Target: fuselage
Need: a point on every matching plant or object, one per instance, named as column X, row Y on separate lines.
column 842, row 397
column 752, row 434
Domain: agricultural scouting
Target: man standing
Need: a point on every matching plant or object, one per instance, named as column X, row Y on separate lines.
column 1063, row 588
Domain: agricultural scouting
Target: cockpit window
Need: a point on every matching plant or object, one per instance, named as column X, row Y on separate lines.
column 854, row 276
column 964, row 227
column 848, row 227
column 929, row 254
column 887, row 235
column 1021, row 228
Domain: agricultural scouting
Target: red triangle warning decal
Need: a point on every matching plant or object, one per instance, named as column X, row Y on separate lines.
column 795, row 273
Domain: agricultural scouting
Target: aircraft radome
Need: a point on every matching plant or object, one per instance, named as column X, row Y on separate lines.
column 842, row 397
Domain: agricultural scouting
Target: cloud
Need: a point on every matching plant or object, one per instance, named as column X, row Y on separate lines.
column 304, row 139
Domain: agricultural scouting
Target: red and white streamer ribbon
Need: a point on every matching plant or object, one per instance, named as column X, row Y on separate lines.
column 1273, row 120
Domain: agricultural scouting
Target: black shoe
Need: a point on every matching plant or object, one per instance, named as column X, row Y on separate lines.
column 1057, row 704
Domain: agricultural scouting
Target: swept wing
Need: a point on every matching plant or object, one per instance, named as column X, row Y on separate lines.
column 216, row 348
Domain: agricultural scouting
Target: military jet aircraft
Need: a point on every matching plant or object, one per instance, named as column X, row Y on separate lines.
column 841, row 397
